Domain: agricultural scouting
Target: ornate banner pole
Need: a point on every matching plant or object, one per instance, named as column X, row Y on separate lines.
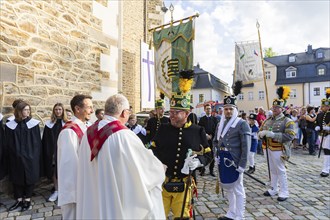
column 263, row 67
column 173, row 22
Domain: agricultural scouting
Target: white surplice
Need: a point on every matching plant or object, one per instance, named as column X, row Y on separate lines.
column 122, row 182
column 67, row 161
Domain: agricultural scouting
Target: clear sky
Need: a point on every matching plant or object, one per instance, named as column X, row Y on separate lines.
column 286, row 26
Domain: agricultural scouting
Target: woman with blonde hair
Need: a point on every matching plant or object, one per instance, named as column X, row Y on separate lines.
column 49, row 145
column 23, row 143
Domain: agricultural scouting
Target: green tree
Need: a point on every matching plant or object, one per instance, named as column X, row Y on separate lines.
column 268, row 52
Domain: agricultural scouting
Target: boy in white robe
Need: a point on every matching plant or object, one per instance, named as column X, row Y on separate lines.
column 67, row 159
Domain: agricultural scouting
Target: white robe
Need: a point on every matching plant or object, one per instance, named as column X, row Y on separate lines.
column 67, row 161
column 122, row 182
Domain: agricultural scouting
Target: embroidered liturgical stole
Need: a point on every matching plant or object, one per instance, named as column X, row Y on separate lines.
column 75, row 127
column 96, row 138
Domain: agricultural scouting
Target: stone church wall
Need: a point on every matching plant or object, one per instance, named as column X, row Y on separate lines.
column 50, row 51
column 48, row 54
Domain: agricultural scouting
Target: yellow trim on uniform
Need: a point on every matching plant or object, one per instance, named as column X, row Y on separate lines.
column 272, row 145
column 289, row 123
column 289, row 131
column 187, row 125
column 207, row 150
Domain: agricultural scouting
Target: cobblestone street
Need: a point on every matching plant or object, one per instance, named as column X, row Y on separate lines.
column 309, row 195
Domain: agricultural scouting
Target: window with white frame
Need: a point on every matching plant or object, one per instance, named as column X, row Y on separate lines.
column 292, row 59
column 201, row 98
column 321, row 71
column 250, row 96
column 261, row 95
column 267, row 75
column 316, row 91
column 319, row 54
column 291, row 74
column 241, row 96
column 293, row 94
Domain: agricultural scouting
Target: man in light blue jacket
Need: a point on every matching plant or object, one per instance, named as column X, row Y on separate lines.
column 232, row 141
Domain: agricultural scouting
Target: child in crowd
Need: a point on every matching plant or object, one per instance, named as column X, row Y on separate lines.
column 254, row 141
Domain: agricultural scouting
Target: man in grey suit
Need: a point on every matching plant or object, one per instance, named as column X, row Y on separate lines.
column 232, row 141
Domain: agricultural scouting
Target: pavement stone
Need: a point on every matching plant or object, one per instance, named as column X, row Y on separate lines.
column 309, row 195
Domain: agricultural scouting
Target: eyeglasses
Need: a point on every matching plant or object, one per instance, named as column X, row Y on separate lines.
column 129, row 111
column 175, row 112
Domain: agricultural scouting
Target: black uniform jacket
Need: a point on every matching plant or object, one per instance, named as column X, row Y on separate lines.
column 210, row 125
column 322, row 119
column 153, row 125
column 171, row 145
column 23, row 145
column 49, row 149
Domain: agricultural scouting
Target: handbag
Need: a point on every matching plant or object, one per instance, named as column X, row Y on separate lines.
column 174, row 187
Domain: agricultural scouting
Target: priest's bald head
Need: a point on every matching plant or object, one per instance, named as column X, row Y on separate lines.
column 117, row 106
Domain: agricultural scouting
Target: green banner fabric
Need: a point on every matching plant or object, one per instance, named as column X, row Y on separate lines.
column 172, row 43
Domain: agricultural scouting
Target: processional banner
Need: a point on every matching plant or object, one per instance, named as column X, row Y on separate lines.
column 173, row 53
column 248, row 64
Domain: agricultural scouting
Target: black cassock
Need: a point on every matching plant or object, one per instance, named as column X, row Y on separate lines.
column 3, row 163
column 49, row 148
column 23, row 143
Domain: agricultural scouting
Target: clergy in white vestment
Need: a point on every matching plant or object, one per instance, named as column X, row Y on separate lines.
column 67, row 159
column 118, row 178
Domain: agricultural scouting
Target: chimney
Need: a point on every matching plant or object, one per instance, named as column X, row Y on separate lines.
column 309, row 49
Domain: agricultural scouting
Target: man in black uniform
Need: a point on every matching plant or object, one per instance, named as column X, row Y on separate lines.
column 209, row 122
column 171, row 145
column 323, row 126
column 154, row 123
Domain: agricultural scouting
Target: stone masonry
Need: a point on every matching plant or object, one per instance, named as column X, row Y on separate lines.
column 50, row 50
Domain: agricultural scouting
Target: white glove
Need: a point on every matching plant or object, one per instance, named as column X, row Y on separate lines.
column 240, row 170
column 165, row 167
column 326, row 128
column 262, row 134
column 190, row 163
column 270, row 134
column 317, row 128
